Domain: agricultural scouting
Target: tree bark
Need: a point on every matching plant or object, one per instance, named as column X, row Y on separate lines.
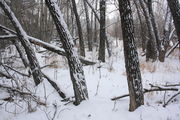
column 88, row 26
column 166, row 33
column 143, row 39
column 131, row 56
column 102, row 31
column 81, row 41
column 34, row 65
column 151, row 50
column 174, row 6
column 155, row 28
column 76, row 70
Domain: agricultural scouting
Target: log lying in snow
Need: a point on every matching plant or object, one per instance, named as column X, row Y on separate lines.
column 148, row 90
column 45, row 45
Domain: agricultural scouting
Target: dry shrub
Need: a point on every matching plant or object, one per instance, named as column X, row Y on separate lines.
column 55, row 61
column 150, row 67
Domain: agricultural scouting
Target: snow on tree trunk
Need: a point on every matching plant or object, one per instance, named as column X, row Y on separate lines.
column 102, row 30
column 81, row 42
column 174, row 6
column 151, row 50
column 76, row 69
column 131, row 56
column 33, row 62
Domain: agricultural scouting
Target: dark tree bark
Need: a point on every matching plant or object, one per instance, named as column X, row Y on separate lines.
column 174, row 6
column 151, row 50
column 34, row 65
column 131, row 56
column 95, row 23
column 88, row 26
column 81, row 41
column 76, row 70
column 102, row 30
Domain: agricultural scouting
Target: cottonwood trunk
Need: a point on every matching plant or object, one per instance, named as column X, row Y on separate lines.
column 131, row 56
column 76, row 70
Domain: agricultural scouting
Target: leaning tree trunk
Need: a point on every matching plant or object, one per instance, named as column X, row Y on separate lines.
column 33, row 62
column 175, row 11
column 131, row 56
column 76, row 70
column 102, row 31
column 151, row 50
column 81, row 42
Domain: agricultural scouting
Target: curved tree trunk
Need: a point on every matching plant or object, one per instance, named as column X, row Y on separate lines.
column 131, row 56
column 76, row 69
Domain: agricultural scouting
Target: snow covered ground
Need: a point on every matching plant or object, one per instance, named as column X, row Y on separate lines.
column 104, row 81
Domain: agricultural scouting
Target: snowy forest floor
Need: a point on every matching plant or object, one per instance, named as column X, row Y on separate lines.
column 104, row 81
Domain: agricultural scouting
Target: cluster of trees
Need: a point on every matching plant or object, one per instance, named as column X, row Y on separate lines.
column 45, row 21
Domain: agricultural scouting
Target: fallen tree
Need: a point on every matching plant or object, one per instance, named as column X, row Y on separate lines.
column 146, row 91
column 40, row 43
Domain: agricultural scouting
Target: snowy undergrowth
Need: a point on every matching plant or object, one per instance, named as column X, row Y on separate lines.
column 104, row 81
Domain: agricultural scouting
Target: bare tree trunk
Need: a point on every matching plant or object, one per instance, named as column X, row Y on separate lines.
column 156, row 32
column 143, row 39
column 95, row 23
column 102, row 30
column 81, row 41
column 174, row 6
column 88, row 26
column 165, row 41
column 76, row 69
column 131, row 56
column 151, row 50
column 34, row 65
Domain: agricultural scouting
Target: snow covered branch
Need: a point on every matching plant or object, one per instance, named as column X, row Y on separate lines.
column 45, row 45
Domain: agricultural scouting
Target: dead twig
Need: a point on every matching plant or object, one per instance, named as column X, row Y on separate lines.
column 146, row 91
column 166, row 103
